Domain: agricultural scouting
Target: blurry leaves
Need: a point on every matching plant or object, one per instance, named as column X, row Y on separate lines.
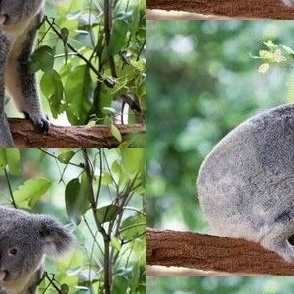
column 28, row 194
column 10, row 157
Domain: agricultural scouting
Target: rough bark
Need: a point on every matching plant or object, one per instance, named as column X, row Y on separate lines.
column 212, row 253
column 272, row 9
column 98, row 136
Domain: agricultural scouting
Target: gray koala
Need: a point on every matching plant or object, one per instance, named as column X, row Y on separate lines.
column 25, row 240
column 246, row 183
column 19, row 20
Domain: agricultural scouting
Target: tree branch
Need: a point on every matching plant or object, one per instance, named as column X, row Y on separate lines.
column 212, row 253
column 98, row 136
column 273, row 9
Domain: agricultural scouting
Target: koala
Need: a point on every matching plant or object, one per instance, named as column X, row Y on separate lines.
column 19, row 21
column 25, row 240
column 246, row 183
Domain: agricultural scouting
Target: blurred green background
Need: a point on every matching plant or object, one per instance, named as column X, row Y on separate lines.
column 220, row 285
column 202, row 82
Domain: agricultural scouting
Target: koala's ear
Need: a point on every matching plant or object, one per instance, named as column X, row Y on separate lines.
column 55, row 237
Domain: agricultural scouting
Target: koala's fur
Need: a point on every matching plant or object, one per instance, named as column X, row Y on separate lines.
column 246, row 183
column 288, row 2
column 25, row 240
column 19, row 20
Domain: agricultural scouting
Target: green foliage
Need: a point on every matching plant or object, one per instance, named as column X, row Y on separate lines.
column 220, row 285
column 87, row 62
column 104, row 199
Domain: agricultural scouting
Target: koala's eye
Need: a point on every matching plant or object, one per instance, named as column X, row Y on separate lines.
column 291, row 240
column 12, row 251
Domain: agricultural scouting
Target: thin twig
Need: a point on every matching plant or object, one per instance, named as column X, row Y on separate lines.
column 10, row 188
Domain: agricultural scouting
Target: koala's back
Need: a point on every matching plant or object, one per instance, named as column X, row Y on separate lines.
column 245, row 185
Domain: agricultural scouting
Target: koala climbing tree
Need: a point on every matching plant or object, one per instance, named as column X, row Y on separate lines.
column 25, row 239
column 19, row 21
column 245, row 184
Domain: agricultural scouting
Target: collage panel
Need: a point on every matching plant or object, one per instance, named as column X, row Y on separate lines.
column 72, row 146
column 220, row 165
column 75, row 71
column 84, row 209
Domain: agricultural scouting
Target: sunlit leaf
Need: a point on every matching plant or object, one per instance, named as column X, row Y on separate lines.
column 31, row 190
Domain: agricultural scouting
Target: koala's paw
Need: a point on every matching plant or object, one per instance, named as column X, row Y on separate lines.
column 42, row 124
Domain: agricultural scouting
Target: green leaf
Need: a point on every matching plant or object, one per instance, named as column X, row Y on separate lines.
column 115, row 243
column 78, row 94
column 118, row 35
column 135, row 279
column 133, row 226
column 42, row 58
column 76, row 198
column 133, row 159
column 107, row 213
column 115, row 132
column 106, row 179
column 66, row 155
column 52, row 87
column 10, row 157
column 13, row 160
column 64, row 289
column 30, row 191
column 64, row 35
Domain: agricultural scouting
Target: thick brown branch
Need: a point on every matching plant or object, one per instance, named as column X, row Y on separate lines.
column 273, row 9
column 212, row 253
column 98, row 136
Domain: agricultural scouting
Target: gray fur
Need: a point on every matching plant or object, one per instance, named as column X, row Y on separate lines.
column 246, row 183
column 19, row 20
column 288, row 2
column 25, row 240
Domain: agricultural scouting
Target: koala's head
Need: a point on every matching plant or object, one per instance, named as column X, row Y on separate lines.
column 15, row 11
column 25, row 239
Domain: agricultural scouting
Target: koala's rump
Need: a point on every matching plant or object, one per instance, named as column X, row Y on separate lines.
column 245, row 183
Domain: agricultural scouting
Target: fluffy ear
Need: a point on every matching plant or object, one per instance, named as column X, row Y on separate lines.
column 55, row 237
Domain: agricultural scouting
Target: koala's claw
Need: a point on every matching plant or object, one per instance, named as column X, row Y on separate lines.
column 41, row 124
